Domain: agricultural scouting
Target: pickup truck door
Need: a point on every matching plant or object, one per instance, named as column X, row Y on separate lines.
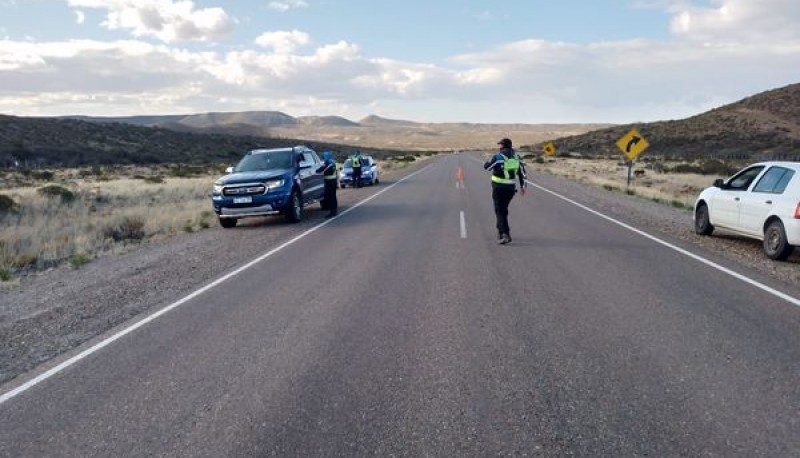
column 312, row 183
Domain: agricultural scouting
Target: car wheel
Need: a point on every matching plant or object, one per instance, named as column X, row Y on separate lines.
column 702, row 224
column 775, row 245
column 227, row 223
column 295, row 211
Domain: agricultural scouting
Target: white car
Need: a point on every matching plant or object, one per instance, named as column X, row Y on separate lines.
column 762, row 201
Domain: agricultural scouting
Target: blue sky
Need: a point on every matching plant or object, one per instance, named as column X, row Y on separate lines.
column 531, row 61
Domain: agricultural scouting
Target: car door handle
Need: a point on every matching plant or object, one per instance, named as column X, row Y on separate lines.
column 769, row 202
column 736, row 199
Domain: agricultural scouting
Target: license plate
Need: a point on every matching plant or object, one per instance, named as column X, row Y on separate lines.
column 242, row 200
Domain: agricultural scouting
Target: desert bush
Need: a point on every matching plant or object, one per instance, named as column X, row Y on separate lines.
column 44, row 175
column 94, row 171
column 154, row 179
column 716, row 167
column 55, row 191
column 78, row 260
column 7, row 205
column 687, row 168
column 5, row 275
column 129, row 228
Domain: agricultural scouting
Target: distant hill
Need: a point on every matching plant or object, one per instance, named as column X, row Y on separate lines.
column 56, row 142
column 374, row 120
column 370, row 132
column 253, row 118
column 326, row 121
column 764, row 126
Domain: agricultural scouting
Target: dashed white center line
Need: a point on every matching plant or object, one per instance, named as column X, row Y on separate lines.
column 463, row 226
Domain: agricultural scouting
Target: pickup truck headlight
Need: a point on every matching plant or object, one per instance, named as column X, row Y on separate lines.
column 216, row 189
column 274, row 184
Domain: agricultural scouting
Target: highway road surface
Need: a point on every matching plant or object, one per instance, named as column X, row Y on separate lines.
column 400, row 328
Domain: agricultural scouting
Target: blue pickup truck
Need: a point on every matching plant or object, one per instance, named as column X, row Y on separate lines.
column 269, row 182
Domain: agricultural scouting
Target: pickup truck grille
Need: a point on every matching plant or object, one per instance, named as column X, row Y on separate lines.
column 249, row 190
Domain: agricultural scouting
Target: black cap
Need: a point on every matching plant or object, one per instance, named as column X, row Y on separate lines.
column 506, row 143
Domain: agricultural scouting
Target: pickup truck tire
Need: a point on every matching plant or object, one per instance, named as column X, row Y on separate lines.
column 227, row 223
column 295, row 211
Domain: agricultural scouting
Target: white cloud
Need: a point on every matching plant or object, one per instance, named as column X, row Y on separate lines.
column 703, row 65
column 286, row 5
column 283, row 42
column 167, row 20
column 738, row 20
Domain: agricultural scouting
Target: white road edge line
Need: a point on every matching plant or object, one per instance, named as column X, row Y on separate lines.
column 463, row 226
column 100, row 345
column 759, row 285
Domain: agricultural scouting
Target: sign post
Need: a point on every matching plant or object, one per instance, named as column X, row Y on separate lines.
column 632, row 146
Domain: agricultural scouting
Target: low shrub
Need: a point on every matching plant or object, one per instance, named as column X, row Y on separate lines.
column 44, row 175
column 154, row 179
column 5, row 275
column 55, row 191
column 130, row 228
column 7, row 205
column 78, row 260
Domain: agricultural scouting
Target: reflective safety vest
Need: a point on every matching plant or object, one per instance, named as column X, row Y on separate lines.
column 330, row 171
column 356, row 161
column 510, row 170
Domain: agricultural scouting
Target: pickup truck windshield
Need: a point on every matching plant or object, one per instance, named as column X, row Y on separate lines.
column 259, row 162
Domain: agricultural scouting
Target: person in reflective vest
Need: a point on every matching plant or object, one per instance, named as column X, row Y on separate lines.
column 328, row 171
column 506, row 169
column 355, row 160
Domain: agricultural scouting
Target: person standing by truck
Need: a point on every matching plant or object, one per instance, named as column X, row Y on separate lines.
column 355, row 161
column 328, row 171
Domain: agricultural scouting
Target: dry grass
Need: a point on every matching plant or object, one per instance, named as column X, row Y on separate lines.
column 109, row 211
column 676, row 189
column 106, row 216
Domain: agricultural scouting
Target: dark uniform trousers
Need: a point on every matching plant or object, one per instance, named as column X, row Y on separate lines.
column 502, row 195
column 330, row 196
column 357, row 177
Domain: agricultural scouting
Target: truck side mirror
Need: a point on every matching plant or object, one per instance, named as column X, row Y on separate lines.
column 229, row 170
column 719, row 183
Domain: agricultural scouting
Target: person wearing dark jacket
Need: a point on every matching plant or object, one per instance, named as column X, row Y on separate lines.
column 506, row 169
column 328, row 171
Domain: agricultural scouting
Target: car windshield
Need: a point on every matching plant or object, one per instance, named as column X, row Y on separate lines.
column 259, row 162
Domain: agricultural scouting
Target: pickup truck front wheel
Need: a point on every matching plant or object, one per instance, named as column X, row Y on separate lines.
column 295, row 211
column 227, row 223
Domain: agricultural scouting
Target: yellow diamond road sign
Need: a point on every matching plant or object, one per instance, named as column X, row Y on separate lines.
column 632, row 144
column 549, row 149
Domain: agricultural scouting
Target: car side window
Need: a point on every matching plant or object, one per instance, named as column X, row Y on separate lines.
column 774, row 180
column 743, row 180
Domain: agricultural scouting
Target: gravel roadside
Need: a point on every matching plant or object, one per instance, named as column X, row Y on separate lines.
column 52, row 313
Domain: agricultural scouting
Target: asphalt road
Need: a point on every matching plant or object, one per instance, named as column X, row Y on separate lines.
column 395, row 330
